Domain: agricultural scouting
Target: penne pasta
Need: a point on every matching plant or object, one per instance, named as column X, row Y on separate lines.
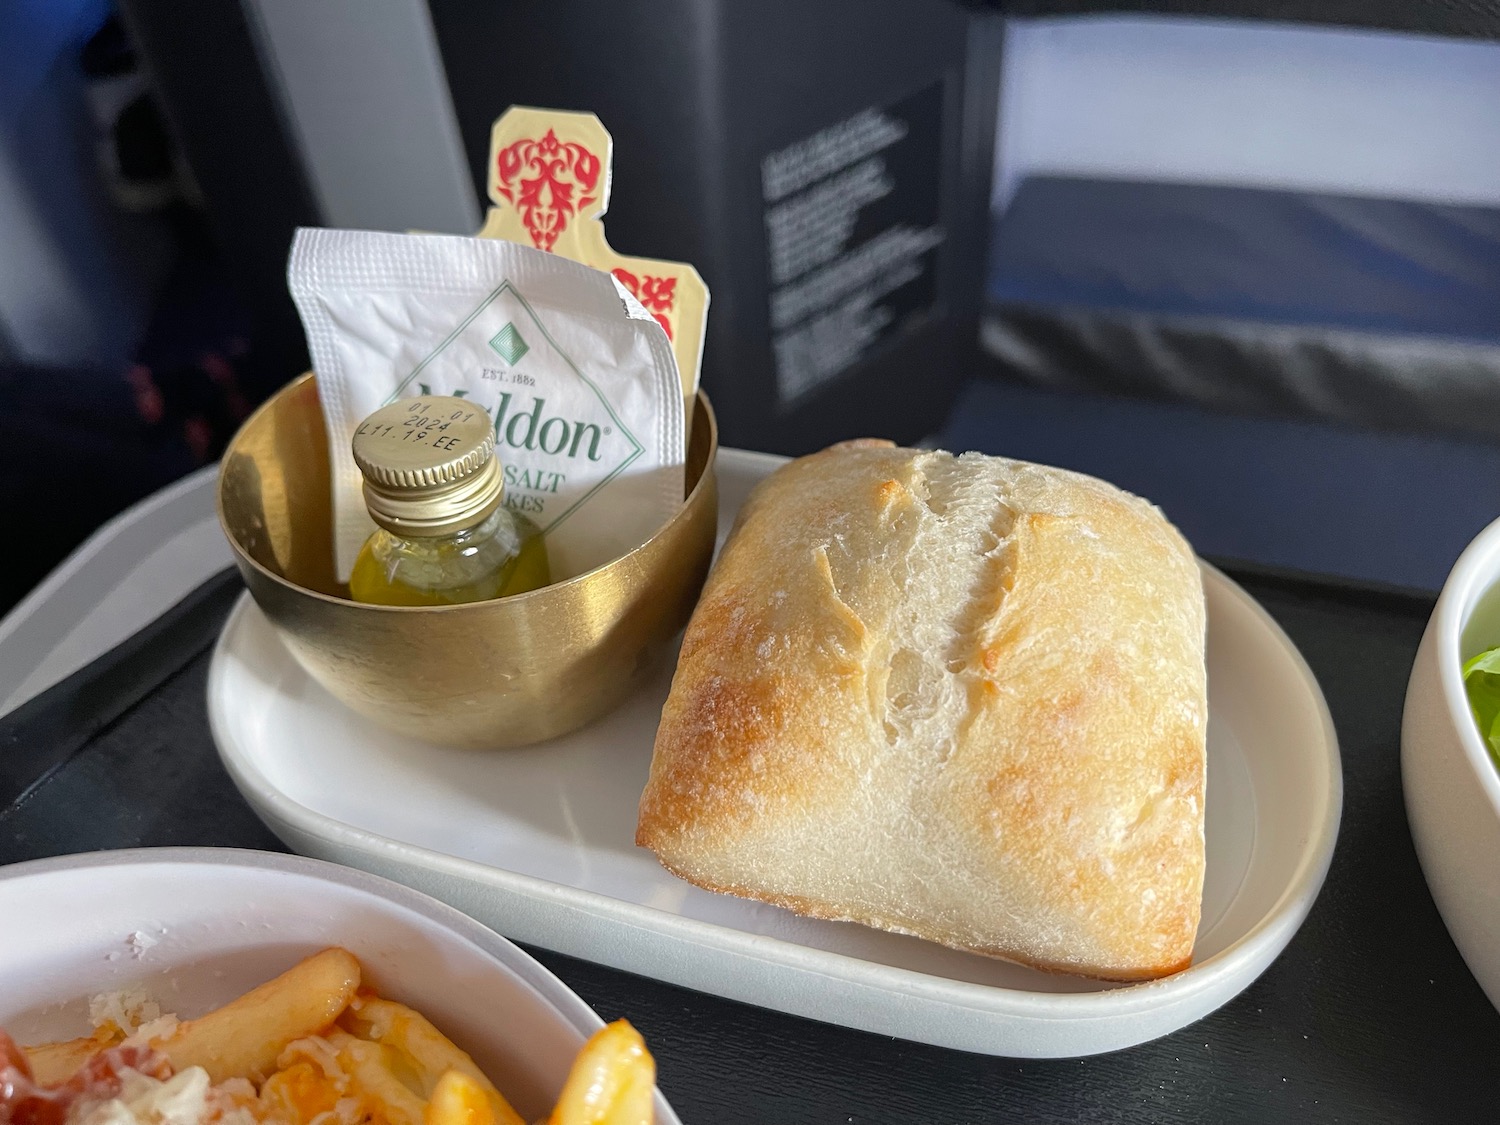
column 244, row 1037
column 308, row 1048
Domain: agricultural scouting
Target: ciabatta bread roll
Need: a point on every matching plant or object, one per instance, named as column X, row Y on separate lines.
column 957, row 697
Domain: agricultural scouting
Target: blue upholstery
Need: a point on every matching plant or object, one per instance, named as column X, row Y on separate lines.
column 1379, row 265
column 1383, row 507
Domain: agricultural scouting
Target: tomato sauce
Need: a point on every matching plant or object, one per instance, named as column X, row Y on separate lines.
column 24, row 1101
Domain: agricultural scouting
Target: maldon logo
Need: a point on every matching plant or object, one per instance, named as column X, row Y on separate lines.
column 509, row 344
column 532, row 429
column 556, row 436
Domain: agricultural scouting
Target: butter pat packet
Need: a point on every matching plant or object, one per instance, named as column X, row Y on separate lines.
column 578, row 378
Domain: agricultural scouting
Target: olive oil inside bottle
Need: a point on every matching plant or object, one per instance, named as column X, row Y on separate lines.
column 434, row 487
column 471, row 566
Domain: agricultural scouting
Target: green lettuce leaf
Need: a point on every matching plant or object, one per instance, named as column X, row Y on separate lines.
column 1482, row 683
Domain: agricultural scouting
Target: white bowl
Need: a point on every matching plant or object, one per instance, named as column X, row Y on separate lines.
column 1451, row 783
column 200, row 926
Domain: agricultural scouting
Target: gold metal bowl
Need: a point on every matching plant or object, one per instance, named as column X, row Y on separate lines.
column 488, row 674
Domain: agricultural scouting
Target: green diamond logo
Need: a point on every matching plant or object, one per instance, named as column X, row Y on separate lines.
column 619, row 448
column 509, row 344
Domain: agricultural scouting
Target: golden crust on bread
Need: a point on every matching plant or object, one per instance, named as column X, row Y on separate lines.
column 962, row 698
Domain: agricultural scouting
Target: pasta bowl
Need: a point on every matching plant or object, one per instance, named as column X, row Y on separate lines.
column 198, row 927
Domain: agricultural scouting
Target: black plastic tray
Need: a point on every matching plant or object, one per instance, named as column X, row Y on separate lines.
column 1369, row 1016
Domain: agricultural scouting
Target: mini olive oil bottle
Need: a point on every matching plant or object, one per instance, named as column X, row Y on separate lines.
column 434, row 486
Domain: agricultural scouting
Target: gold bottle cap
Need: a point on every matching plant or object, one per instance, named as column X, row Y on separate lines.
column 429, row 465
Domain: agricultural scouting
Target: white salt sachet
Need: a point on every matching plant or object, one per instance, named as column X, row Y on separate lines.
column 578, row 378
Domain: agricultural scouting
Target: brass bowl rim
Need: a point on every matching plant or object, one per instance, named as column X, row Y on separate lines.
column 245, row 556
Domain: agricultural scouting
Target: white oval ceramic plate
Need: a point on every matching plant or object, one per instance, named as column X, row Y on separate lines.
column 197, row 927
column 539, row 844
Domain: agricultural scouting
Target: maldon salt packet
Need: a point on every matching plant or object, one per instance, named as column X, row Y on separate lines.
column 579, row 380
